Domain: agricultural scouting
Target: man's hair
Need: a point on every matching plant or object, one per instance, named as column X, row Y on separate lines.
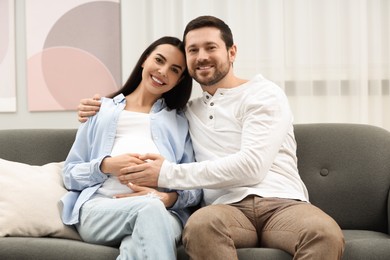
column 210, row 21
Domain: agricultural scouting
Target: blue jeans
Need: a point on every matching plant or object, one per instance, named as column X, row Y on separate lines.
column 141, row 226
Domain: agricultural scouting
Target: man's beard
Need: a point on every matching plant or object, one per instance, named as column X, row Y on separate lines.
column 217, row 76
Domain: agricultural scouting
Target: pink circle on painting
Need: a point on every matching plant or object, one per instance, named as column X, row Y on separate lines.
column 93, row 27
column 39, row 97
column 71, row 74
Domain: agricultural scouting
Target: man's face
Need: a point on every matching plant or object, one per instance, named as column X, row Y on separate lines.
column 208, row 61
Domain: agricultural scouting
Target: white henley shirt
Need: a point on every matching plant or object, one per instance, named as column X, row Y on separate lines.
column 244, row 144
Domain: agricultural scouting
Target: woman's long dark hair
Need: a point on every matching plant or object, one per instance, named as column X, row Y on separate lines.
column 178, row 96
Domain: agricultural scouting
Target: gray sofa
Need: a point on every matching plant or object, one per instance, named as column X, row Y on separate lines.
column 346, row 168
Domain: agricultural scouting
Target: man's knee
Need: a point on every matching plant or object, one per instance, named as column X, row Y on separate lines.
column 325, row 236
column 202, row 223
column 333, row 236
column 200, row 220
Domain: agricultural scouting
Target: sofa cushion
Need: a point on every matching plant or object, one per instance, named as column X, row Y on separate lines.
column 366, row 244
column 30, row 200
column 44, row 248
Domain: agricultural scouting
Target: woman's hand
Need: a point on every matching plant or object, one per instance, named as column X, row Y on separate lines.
column 145, row 174
column 168, row 198
column 113, row 165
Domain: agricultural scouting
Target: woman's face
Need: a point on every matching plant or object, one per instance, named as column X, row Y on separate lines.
column 163, row 69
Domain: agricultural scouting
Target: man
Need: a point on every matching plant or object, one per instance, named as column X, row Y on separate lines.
column 243, row 138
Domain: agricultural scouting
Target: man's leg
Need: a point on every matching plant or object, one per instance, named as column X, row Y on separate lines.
column 299, row 228
column 214, row 232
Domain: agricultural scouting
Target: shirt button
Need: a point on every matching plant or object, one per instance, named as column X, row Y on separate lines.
column 212, row 104
column 207, row 97
column 211, row 117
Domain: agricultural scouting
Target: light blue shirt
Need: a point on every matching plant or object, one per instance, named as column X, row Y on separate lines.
column 94, row 141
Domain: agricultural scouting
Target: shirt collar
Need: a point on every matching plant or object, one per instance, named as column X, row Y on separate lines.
column 120, row 98
column 206, row 97
column 158, row 105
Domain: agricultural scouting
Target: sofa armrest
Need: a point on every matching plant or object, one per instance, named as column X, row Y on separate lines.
column 388, row 212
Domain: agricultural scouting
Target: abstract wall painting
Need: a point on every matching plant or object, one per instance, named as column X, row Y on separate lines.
column 7, row 57
column 73, row 51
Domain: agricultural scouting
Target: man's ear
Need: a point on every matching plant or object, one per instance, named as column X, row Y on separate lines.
column 232, row 53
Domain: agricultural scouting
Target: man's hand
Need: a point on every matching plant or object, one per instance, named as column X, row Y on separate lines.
column 113, row 165
column 88, row 107
column 168, row 198
column 143, row 174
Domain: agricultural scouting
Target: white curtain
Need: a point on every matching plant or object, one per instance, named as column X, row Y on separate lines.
column 332, row 57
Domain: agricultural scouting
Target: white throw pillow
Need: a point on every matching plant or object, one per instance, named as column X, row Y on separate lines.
column 30, row 200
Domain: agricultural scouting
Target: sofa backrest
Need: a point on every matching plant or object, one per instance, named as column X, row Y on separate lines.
column 36, row 146
column 346, row 168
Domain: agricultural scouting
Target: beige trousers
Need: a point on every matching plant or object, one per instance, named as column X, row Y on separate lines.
column 299, row 228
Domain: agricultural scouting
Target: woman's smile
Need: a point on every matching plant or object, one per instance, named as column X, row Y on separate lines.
column 158, row 81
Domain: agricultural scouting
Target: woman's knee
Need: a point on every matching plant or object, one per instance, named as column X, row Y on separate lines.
column 152, row 207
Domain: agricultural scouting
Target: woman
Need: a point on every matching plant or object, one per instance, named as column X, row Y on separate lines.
column 145, row 115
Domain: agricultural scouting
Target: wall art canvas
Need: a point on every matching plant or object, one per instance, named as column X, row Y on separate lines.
column 73, row 51
column 7, row 57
